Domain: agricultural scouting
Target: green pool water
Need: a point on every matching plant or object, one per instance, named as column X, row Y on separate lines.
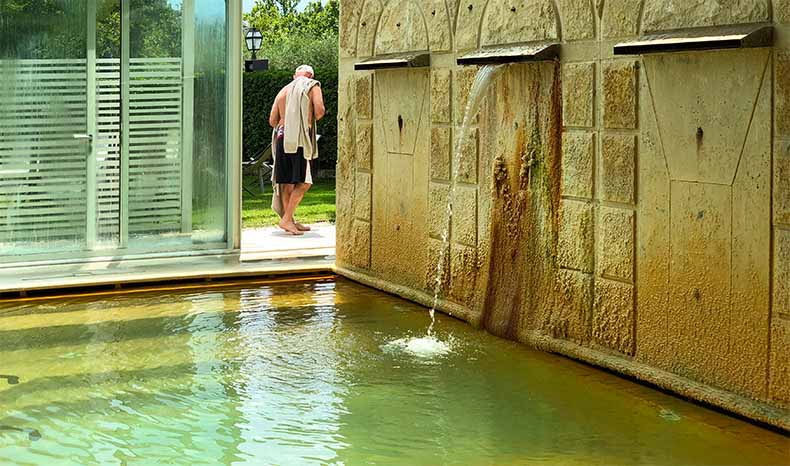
column 307, row 373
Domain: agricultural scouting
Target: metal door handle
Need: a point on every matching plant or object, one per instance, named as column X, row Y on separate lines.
column 83, row 137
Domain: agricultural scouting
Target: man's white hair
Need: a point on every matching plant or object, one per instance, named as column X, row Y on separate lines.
column 305, row 69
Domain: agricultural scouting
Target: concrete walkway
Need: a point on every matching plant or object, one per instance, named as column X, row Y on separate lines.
column 274, row 243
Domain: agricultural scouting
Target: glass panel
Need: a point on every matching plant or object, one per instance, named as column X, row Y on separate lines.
column 210, row 191
column 107, row 132
column 43, row 105
column 177, row 187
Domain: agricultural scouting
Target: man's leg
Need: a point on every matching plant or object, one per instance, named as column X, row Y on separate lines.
column 306, row 187
column 296, row 197
column 287, row 222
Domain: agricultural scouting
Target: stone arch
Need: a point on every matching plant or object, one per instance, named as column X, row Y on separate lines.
column 437, row 17
column 368, row 24
column 497, row 22
column 675, row 14
column 349, row 25
column 577, row 19
column 469, row 13
column 402, row 28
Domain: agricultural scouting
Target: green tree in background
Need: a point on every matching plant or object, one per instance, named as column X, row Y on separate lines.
column 57, row 29
column 291, row 38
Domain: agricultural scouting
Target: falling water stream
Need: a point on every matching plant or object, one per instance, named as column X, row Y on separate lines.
column 429, row 345
column 485, row 76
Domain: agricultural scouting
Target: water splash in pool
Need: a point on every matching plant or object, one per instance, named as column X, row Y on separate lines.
column 485, row 76
column 421, row 347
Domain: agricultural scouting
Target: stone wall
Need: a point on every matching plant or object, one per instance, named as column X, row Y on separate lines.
column 632, row 212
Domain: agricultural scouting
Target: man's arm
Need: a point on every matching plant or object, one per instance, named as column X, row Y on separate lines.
column 274, row 115
column 317, row 99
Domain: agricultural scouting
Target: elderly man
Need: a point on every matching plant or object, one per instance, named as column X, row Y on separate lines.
column 296, row 109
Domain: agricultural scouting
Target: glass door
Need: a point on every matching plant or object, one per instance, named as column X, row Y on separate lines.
column 45, row 145
column 112, row 127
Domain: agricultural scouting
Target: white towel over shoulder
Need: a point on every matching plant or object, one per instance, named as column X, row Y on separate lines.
column 298, row 131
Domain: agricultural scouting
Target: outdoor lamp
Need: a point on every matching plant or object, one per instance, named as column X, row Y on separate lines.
column 254, row 38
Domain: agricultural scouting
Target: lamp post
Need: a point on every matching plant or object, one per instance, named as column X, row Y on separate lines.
column 253, row 39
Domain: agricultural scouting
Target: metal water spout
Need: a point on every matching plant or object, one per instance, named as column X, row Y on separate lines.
column 516, row 53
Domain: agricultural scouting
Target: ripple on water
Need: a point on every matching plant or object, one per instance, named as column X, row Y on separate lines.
column 421, row 347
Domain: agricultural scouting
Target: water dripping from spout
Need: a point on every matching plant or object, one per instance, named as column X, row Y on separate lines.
column 485, row 76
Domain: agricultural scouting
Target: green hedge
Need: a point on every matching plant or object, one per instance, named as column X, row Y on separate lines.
column 260, row 89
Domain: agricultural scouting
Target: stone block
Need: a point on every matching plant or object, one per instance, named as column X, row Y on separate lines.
column 618, row 160
column 465, row 216
column 362, row 196
column 620, row 18
column 463, row 78
column 578, row 20
column 781, row 271
column 440, row 153
column 619, row 94
column 675, row 14
column 779, row 371
column 437, row 209
column 439, row 25
column 468, row 23
column 515, row 22
column 570, row 317
column 364, row 158
column 613, row 316
column 782, row 11
column 467, row 160
column 782, row 104
column 615, row 243
column 366, row 32
column 440, row 95
column 782, row 183
column 578, row 153
column 364, row 95
column 578, row 80
column 463, row 273
column 349, row 21
column 576, row 236
column 401, row 28
column 360, row 252
column 779, row 384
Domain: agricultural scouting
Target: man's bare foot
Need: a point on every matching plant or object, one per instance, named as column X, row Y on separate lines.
column 290, row 227
column 302, row 227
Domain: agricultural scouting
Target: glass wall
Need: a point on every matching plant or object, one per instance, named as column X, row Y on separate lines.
column 113, row 127
column 43, row 104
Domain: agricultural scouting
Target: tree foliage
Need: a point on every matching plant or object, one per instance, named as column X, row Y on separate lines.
column 291, row 38
column 57, row 29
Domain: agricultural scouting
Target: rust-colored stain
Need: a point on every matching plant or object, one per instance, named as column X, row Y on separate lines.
column 524, row 208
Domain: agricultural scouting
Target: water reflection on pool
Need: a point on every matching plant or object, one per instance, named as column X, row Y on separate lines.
column 318, row 372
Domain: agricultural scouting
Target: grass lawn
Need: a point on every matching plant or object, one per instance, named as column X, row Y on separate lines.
column 318, row 204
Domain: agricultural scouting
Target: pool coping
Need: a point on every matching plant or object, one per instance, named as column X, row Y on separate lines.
column 21, row 282
column 748, row 409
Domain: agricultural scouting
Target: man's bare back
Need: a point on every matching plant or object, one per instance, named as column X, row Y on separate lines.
column 317, row 110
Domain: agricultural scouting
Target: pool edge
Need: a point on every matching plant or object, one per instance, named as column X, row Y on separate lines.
column 16, row 284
